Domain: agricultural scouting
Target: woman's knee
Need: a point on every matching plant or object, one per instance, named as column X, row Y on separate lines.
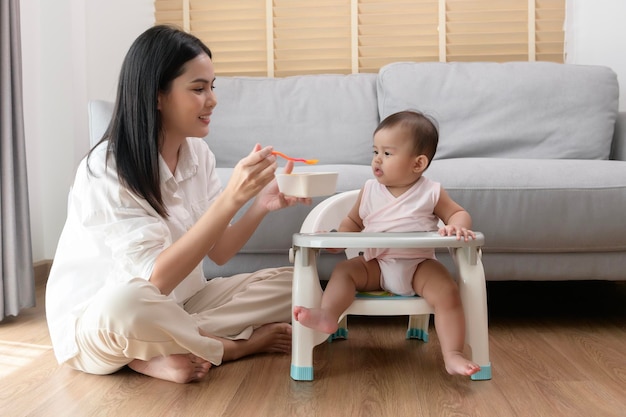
column 128, row 302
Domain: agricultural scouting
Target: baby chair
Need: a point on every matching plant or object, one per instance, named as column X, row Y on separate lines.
column 317, row 233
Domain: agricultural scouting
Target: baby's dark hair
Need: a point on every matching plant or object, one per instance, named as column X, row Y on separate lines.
column 423, row 130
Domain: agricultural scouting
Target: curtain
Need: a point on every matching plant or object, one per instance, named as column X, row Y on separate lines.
column 17, row 282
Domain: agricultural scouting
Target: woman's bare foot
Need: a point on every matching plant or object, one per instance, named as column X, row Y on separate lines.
column 181, row 368
column 316, row 319
column 457, row 364
column 269, row 338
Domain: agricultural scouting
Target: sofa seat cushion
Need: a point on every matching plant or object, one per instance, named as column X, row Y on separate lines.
column 521, row 205
column 539, row 205
column 511, row 110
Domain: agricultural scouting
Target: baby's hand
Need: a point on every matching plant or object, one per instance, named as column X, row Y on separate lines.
column 458, row 231
column 334, row 250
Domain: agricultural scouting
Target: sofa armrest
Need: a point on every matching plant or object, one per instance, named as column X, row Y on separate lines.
column 618, row 148
column 100, row 112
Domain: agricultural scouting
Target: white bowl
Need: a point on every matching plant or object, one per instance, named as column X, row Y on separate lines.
column 307, row 184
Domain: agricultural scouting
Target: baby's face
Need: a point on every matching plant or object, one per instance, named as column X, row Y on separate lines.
column 393, row 161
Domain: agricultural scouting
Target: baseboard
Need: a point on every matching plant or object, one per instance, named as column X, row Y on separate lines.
column 42, row 269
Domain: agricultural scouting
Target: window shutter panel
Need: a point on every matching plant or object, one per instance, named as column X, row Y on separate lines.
column 487, row 30
column 169, row 11
column 549, row 33
column 311, row 37
column 235, row 33
column 397, row 30
column 289, row 37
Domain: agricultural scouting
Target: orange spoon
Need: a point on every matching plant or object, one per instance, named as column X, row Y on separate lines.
column 306, row 161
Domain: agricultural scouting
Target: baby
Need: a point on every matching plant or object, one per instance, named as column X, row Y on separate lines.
column 401, row 199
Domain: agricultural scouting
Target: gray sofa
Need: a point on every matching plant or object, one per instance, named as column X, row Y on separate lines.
column 536, row 152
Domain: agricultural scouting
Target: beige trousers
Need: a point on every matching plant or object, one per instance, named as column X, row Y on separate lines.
column 135, row 321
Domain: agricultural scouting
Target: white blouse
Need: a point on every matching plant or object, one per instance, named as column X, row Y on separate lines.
column 111, row 235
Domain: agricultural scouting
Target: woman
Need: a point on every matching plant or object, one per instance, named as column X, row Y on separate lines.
column 126, row 286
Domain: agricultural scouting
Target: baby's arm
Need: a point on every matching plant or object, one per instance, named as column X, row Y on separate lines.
column 352, row 222
column 457, row 221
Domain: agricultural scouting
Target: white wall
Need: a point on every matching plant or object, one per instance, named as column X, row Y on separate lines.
column 109, row 34
column 49, row 31
column 596, row 35
column 73, row 50
column 31, row 62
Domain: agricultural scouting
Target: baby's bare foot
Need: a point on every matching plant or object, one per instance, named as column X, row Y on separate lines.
column 457, row 364
column 316, row 319
column 181, row 368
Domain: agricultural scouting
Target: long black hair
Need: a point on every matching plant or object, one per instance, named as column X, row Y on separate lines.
column 134, row 134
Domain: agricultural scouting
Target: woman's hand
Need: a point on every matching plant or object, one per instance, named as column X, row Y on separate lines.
column 272, row 199
column 252, row 174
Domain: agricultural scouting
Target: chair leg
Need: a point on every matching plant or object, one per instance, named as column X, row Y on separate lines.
column 474, row 297
column 306, row 292
column 342, row 331
column 418, row 327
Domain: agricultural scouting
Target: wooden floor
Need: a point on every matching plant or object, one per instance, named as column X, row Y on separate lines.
column 557, row 349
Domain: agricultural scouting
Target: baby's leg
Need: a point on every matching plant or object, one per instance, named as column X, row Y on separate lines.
column 433, row 282
column 348, row 277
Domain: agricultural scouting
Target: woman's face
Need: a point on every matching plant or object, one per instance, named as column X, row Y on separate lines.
column 186, row 108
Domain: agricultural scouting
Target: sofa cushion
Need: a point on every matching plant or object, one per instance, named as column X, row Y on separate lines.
column 539, row 205
column 333, row 114
column 510, row 110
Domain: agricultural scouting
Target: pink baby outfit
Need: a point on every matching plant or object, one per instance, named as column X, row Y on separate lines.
column 410, row 212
